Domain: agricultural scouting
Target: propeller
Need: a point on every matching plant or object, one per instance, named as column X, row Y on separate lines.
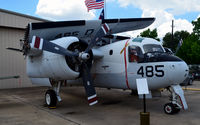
column 85, row 71
column 101, row 33
column 14, row 49
column 41, row 44
column 88, row 84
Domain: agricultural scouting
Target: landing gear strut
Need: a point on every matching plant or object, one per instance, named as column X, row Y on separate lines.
column 52, row 95
column 174, row 107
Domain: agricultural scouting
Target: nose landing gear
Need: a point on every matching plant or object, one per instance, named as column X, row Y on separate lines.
column 173, row 107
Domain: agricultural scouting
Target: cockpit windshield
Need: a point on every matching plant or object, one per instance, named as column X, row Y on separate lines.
column 152, row 53
column 149, row 48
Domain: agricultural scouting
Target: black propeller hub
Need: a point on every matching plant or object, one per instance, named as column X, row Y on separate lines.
column 74, row 62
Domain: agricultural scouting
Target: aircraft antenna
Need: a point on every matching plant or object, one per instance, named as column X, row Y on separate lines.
column 172, row 38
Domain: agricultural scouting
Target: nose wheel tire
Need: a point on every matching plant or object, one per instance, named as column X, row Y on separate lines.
column 171, row 108
column 50, row 98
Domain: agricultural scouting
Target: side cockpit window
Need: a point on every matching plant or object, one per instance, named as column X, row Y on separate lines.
column 135, row 53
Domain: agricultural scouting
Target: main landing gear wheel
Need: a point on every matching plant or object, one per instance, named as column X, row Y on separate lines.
column 50, row 98
column 171, row 108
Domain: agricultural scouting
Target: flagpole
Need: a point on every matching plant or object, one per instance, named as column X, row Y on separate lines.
column 105, row 9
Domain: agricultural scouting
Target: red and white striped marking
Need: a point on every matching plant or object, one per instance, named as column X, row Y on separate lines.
column 105, row 28
column 125, row 62
column 37, row 42
column 92, row 100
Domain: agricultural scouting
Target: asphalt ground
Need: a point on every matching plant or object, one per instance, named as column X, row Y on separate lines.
column 25, row 106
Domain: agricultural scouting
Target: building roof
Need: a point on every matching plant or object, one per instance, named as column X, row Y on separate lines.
column 17, row 20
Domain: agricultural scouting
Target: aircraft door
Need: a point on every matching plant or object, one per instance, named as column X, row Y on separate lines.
column 135, row 56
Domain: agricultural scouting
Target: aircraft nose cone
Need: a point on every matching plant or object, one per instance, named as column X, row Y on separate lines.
column 179, row 72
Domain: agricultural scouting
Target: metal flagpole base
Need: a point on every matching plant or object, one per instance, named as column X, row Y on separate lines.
column 144, row 118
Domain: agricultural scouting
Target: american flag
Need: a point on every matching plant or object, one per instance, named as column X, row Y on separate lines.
column 94, row 4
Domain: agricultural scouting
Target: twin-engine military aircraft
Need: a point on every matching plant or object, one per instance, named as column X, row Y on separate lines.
column 87, row 53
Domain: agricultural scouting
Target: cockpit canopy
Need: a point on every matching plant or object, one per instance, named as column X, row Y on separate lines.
column 153, row 48
column 148, row 50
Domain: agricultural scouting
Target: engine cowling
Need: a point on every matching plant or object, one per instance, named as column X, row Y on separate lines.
column 55, row 66
column 41, row 81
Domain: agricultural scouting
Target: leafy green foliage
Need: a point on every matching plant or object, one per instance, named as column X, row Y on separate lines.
column 196, row 29
column 167, row 42
column 151, row 34
column 178, row 35
column 190, row 50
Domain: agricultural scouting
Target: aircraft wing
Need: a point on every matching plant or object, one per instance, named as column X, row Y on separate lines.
column 84, row 29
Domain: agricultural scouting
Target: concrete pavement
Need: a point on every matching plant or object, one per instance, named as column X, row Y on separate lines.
column 116, row 107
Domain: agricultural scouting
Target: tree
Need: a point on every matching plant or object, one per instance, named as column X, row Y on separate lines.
column 190, row 50
column 167, row 42
column 178, row 35
column 196, row 29
column 151, row 34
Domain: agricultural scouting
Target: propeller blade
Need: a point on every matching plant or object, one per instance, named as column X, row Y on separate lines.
column 87, row 82
column 14, row 49
column 42, row 44
column 101, row 33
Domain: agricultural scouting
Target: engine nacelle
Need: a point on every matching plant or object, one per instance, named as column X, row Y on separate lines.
column 41, row 81
column 51, row 65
